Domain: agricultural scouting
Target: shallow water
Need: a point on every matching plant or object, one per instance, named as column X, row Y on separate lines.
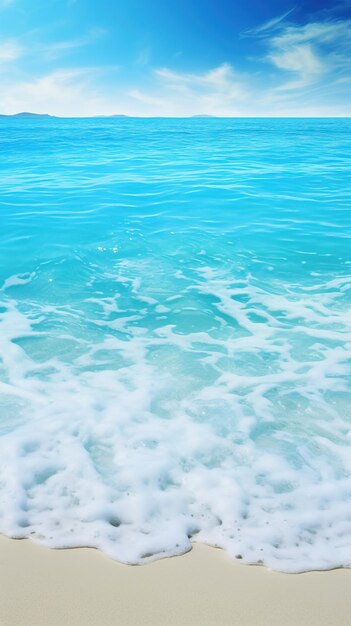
column 175, row 337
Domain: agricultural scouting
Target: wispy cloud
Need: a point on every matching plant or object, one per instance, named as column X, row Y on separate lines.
column 9, row 51
column 145, row 98
column 12, row 50
column 270, row 25
column 56, row 49
column 216, row 91
column 62, row 92
column 222, row 78
column 307, row 53
column 143, row 57
column 302, row 60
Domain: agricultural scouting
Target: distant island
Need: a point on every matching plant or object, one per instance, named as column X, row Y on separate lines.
column 26, row 114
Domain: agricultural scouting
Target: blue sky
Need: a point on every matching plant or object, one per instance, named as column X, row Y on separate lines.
column 176, row 57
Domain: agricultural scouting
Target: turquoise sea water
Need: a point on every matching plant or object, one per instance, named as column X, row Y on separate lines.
column 175, row 336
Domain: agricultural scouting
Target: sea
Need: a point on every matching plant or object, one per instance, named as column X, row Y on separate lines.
column 175, row 337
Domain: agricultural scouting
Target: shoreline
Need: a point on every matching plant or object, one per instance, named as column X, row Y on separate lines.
column 204, row 587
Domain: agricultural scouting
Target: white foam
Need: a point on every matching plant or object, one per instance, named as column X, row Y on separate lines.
column 141, row 440
column 18, row 279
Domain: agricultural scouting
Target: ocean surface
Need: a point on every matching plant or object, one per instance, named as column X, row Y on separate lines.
column 175, row 337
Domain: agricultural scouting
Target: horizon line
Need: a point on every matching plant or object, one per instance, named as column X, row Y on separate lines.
column 23, row 114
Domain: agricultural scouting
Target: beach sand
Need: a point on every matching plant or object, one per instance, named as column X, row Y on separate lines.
column 42, row 587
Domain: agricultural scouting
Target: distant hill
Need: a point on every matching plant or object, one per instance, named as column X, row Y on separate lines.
column 26, row 114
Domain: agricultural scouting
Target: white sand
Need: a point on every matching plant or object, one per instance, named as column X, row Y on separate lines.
column 42, row 587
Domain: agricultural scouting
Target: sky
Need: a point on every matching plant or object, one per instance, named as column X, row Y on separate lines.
column 176, row 57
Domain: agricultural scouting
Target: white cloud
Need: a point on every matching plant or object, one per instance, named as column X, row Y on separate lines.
column 143, row 57
column 151, row 100
column 56, row 49
column 301, row 59
column 220, row 78
column 311, row 51
column 9, row 51
column 270, row 25
column 215, row 92
column 63, row 92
